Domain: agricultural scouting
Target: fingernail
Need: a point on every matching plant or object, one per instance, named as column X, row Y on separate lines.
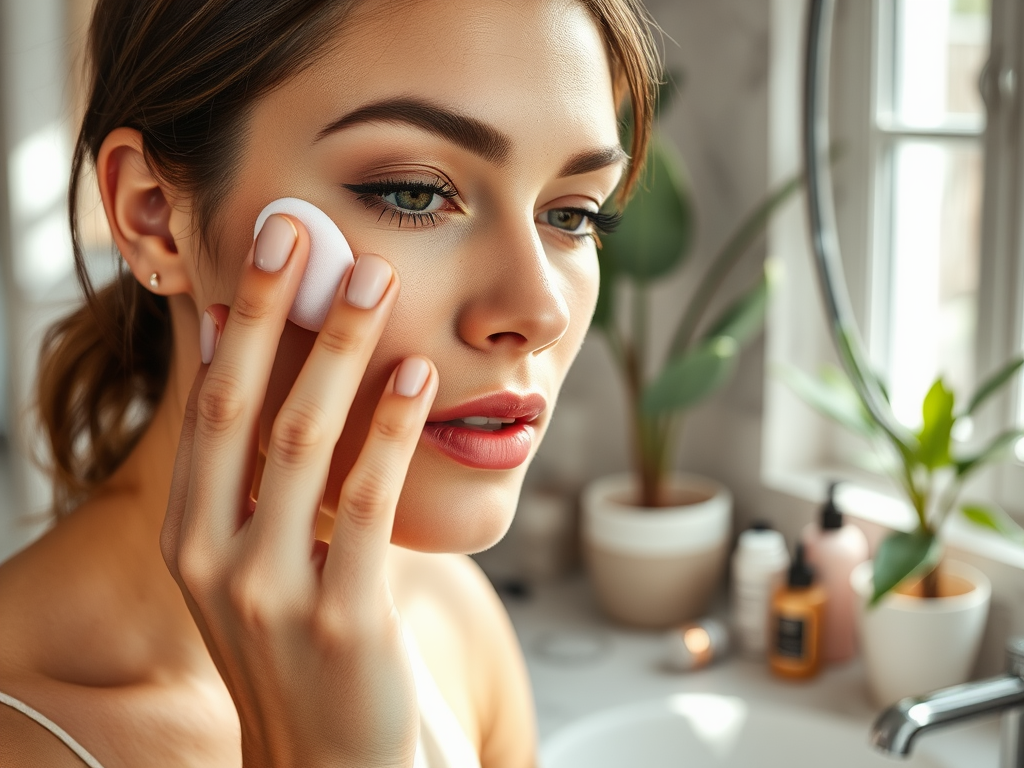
column 274, row 243
column 412, row 375
column 371, row 277
column 208, row 337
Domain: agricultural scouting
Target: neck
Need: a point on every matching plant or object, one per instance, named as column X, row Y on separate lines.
column 145, row 475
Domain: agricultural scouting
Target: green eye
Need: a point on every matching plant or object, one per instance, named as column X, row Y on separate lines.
column 567, row 219
column 415, row 200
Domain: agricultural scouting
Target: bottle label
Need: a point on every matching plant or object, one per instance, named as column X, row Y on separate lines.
column 789, row 640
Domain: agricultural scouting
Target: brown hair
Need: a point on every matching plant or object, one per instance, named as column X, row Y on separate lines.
column 185, row 74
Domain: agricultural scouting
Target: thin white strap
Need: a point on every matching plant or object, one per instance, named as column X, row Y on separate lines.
column 52, row 727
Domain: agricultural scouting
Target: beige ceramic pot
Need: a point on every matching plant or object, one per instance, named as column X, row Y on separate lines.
column 912, row 645
column 656, row 567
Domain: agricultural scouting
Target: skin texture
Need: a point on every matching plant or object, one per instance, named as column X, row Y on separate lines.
column 491, row 293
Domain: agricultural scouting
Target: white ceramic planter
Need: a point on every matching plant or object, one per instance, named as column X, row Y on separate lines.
column 655, row 567
column 911, row 645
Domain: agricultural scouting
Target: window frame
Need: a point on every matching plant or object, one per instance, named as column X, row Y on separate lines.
column 800, row 449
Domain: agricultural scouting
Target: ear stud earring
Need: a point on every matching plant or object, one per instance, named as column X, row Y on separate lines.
column 154, row 280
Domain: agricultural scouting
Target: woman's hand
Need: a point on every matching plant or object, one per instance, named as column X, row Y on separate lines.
column 309, row 643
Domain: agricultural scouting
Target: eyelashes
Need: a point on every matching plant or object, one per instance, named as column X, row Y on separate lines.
column 605, row 222
column 375, row 195
column 418, row 203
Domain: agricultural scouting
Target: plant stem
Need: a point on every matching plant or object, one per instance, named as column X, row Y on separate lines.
column 930, row 583
column 670, row 425
column 917, row 499
column 634, row 386
column 644, row 425
column 638, row 328
column 651, row 480
column 947, row 502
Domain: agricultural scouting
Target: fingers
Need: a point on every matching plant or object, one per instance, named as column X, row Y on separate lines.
column 369, row 495
column 231, row 397
column 310, row 421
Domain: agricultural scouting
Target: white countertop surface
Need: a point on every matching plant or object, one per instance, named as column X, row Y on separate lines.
column 580, row 663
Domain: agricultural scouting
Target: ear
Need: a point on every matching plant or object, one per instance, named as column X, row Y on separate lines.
column 140, row 215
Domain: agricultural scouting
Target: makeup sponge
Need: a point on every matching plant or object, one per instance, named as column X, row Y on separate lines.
column 329, row 257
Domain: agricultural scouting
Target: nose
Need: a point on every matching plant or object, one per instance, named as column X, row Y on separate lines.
column 515, row 298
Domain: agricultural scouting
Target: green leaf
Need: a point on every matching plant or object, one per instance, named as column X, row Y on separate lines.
column 998, row 448
column 934, row 437
column 883, row 388
column 833, row 396
column 994, row 519
column 744, row 319
column 901, row 555
column 992, row 384
column 695, row 375
column 658, row 222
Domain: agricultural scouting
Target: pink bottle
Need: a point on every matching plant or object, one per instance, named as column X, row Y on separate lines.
column 833, row 549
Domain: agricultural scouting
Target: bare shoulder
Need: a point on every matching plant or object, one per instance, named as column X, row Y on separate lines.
column 42, row 609
column 90, row 639
column 78, row 604
column 452, row 592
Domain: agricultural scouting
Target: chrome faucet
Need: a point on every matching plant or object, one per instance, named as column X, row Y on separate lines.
column 895, row 729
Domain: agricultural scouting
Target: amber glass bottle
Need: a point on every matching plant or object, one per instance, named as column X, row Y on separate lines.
column 797, row 613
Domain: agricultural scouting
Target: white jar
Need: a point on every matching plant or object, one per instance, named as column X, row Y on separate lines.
column 759, row 566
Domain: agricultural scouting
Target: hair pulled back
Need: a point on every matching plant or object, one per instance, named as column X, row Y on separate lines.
column 186, row 74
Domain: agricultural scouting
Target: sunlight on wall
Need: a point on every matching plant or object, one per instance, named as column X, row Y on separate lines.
column 39, row 168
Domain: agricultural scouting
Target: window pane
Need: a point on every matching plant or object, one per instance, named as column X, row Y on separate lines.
column 934, row 269
column 941, row 47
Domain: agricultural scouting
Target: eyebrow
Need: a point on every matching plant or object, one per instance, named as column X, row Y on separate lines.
column 593, row 160
column 467, row 132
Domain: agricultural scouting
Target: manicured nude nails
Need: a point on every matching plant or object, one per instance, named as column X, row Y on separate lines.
column 371, row 277
column 274, row 243
column 412, row 375
column 208, row 337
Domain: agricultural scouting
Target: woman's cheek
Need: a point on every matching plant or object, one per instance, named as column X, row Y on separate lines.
column 592, row 281
column 581, row 281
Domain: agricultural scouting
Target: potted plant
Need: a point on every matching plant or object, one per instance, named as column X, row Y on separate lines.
column 655, row 541
column 923, row 615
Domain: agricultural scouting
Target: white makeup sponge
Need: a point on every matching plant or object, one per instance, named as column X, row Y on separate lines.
column 329, row 257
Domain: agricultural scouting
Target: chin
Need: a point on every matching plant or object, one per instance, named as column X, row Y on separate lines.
column 446, row 507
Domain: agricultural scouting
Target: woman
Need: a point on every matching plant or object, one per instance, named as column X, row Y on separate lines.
column 466, row 148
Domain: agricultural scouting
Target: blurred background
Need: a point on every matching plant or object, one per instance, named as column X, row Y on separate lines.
column 926, row 192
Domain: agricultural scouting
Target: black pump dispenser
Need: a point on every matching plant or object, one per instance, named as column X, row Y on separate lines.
column 800, row 573
column 831, row 515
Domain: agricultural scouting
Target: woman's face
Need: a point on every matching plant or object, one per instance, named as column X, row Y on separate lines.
column 458, row 139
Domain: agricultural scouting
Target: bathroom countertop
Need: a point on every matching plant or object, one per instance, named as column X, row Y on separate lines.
column 580, row 663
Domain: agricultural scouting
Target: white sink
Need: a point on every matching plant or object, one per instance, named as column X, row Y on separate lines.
column 698, row 730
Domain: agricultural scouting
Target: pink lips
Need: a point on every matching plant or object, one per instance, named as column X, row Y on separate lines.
column 505, row 448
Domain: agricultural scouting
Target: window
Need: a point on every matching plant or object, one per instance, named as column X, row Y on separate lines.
column 924, row 106
column 928, row 128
